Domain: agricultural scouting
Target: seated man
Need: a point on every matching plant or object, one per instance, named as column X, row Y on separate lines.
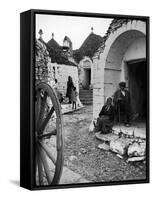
column 105, row 120
column 122, row 104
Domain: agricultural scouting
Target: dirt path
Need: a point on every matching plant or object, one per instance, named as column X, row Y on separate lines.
column 81, row 153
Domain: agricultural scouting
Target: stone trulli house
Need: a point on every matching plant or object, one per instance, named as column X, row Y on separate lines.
column 55, row 62
column 121, row 57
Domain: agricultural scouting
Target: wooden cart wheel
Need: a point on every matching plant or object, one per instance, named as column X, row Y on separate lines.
column 49, row 140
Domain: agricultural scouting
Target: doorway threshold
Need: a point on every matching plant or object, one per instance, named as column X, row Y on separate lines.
column 137, row 129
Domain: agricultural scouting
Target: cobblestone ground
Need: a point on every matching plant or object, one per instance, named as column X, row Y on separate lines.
column 81, row 153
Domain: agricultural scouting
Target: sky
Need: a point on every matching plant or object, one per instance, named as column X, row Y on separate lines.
column 76, row 28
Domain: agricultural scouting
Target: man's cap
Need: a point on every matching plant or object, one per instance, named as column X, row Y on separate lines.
column 109, row 98
column 122, row 84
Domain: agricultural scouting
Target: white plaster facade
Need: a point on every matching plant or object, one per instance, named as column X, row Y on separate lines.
column 123, row 45
column 61, row 73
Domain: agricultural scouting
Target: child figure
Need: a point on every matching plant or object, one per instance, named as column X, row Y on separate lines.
column 74, row 97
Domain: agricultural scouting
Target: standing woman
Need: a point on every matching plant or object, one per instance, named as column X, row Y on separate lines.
column 70, row 87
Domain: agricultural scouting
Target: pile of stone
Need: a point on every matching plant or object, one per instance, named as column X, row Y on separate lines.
column 126, row 147
column 42, row 61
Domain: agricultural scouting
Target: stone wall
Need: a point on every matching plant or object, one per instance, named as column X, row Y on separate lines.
column 41, row 63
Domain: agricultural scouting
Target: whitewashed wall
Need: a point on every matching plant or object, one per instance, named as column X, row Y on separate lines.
column 137, row 50
column 61, row 73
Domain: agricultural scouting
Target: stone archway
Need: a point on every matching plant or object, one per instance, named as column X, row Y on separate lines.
column 124, row 44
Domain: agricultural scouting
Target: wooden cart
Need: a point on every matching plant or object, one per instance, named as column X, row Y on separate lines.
column 48, row 138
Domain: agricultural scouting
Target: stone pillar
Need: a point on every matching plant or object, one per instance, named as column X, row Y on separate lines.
column 92, row 73
column 98, row 86
column 124, row 72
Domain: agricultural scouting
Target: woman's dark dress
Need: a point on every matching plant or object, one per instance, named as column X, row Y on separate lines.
column 70, row 86
column 105, row 120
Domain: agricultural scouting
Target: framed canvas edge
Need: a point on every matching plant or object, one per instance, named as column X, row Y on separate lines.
column 32, row 13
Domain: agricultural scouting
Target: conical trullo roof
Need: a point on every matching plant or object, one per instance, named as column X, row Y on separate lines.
column 89, row 46
column 53, row 44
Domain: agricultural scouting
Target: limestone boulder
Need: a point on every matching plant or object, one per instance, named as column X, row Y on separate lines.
column 83, row 150
column 137, row 149
column 92, row 127
column 104, row 147
column 136, row 159
column 106, row 137
column 71, row 158
column 120, row 146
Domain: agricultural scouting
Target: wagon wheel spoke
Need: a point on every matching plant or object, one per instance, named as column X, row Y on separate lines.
column 48, row 152
column 40, row 168
column 47, row 135
column 38, row 105
column 46, row 120
column 42, row 109
column 45, row 164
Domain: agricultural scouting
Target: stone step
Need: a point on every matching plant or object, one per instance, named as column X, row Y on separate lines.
column 86, row 92
column 87, row 103
column 86, row 99
column 85, row 95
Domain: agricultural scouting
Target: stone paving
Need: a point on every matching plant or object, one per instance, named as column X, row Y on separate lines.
column 139, row 130
column 69, row 177
column 67, row 108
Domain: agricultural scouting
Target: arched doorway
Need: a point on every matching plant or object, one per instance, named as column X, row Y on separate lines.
column 137, row 85
column 85, row 76
column 123, row 46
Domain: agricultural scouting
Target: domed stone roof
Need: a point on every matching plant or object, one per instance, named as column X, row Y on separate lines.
column 53, row 44
column 89, row 47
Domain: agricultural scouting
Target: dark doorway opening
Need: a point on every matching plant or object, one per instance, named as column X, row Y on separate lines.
column 137, row 82
column 87, row 80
